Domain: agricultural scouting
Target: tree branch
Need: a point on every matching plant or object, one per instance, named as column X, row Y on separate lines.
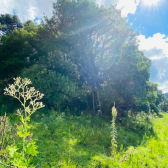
column 7, row 165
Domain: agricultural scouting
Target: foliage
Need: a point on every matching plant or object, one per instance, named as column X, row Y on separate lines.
column 84, row 141
column 19, row 50
column 21, row 153
column 9, row 23
column 164, row 105
column 101, row 45
column 86, row 57
column 60, row 92
column 126, row 82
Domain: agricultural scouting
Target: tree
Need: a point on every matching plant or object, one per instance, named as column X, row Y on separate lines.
column 18, row 50
column 90, row 47
column 99, row 43
column 60, row 92
column 21, row 49
column 9, row 23
column 126, row 80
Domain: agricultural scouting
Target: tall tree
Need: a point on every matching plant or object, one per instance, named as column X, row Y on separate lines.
column 98, row 41
column 9, row 23
column 84, row 53
column 21, row 49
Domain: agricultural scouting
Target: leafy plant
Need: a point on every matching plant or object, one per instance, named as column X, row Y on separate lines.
column 21, row 153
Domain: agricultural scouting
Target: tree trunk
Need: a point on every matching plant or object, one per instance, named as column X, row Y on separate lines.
column 98, row 99
column 93, row 100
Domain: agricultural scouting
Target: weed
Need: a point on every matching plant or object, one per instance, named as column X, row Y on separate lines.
column 114, row 132
column 21, row 153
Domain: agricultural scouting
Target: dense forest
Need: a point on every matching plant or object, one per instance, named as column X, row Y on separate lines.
column 85, row 59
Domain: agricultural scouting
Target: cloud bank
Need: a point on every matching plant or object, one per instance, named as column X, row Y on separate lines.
column 33, row 9
column 156, row 49
column 27, row 10
column 126, row 6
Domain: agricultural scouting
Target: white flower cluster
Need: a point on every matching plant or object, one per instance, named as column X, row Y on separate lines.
column 114, row 111
column 28, row 97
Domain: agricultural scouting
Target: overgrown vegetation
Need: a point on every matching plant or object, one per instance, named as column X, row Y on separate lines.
column 84, row 58
column 85, row 141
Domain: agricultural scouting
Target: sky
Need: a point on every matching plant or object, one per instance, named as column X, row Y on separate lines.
column 149, row 17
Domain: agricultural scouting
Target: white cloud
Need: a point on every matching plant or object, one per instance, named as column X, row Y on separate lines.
column 163, row 86
column 158, row 44
column 156, row 49
column 32, row 12
column 6, row 6
column 127, row 6
column 27, row 9
column 32, row 9
column 106, row 2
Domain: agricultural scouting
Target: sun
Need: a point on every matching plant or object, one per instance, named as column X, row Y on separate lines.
column 150, row 2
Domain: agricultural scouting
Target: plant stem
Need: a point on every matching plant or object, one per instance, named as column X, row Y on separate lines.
column 3, row 120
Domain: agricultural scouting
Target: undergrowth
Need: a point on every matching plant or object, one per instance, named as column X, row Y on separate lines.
column 84, row 141
column 68, row 141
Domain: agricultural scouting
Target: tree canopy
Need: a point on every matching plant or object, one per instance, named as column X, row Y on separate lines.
column 9, row 23
column 84, row 57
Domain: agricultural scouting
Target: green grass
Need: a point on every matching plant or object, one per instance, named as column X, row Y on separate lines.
column 84, row 141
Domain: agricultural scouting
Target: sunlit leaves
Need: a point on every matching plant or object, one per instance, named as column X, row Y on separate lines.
column 12, row 150
column 22, row 131
column 31, row 149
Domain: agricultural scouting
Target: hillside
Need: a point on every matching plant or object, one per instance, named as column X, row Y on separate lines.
column 84, row 141
column 59, row 80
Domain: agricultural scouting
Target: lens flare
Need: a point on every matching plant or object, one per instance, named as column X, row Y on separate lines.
column 150, row 2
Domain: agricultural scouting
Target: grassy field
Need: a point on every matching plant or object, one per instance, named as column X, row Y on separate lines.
column 85, row 141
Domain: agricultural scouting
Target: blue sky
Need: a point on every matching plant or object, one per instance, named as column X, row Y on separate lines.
column 151, row 21
column 149, row 17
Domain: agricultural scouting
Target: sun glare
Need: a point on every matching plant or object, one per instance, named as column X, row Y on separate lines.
column 150, row 2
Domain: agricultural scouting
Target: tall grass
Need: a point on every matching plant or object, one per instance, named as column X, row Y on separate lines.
column 85, row 141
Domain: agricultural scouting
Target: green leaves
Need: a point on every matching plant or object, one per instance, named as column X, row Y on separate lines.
column 103, row 50
column 9, row 23
column 18, row 50
column 59, row 90
column 31, row 149
column 22, row 131
column 12, row 150
column 21, row 157
column 83, row 48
